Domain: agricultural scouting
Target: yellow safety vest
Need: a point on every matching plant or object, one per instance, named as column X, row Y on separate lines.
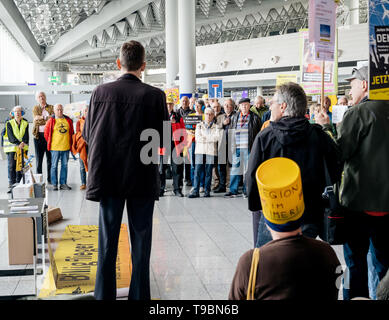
column 18, row 133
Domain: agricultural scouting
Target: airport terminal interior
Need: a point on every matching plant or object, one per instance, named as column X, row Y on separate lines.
column 66, row 48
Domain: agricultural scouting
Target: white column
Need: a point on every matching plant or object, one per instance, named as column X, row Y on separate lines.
column 259, row 91
column 187, row 46
column 171, row 30
column 353, row 17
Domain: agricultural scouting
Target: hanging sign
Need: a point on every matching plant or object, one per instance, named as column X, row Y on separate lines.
column 321, row 22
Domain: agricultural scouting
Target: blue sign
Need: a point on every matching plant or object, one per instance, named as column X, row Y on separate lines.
column 215, row 88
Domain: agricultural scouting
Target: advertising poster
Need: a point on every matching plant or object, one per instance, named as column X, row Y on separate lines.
column 378, row 50
column 322, row 28
column 310, row 69
column 174, row 94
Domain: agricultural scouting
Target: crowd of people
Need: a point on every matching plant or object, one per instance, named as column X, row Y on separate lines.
column 221, row 147
column 53, row 136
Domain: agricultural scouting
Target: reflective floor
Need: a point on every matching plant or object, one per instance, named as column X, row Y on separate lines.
column 196, row 242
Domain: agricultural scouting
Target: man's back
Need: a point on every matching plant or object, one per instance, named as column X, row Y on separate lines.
column 119, row 112
column 365, row 150
column 307, row 145
column 295, row 267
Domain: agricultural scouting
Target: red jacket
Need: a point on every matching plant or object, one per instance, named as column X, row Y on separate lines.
column 50, row 127
column 179, row 137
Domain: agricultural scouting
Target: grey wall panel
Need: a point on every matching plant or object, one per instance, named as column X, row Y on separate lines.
column 81, row 97
column 7, row 102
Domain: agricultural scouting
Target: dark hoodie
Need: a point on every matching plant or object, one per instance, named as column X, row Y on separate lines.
column 305, row 143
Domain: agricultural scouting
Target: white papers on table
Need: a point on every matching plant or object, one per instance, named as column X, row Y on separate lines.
column 18, row 204
column 26, row 208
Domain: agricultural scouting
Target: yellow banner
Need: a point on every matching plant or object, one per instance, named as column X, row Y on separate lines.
column 76, row 262
column 284, row 78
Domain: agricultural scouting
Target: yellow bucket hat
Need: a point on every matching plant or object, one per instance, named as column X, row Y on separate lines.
column 280, row 189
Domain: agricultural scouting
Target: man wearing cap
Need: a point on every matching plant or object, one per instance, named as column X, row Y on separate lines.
column 362, row 139
column 291, row 135
column 291, row 266
column 244, row 127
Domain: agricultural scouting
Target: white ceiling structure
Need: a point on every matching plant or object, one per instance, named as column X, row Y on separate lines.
column 87, row 34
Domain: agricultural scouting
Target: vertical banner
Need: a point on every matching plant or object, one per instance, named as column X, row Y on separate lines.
column 215, row 88
column 310, row 69
column 378, row 50
column 321, row 23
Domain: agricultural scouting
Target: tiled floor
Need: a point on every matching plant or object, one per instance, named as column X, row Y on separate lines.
column 196, row 242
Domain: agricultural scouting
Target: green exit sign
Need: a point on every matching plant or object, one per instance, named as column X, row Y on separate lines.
column 56, row 79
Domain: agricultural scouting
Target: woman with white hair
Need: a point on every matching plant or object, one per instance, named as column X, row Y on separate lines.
column 15, row 140
column 41, row 114
column 207, row 136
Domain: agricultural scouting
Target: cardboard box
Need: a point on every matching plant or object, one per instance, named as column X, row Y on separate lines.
column 23, row 191
column 20, row 241
column 54, row 214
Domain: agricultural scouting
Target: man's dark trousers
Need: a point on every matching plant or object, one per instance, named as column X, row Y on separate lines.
column 364, row 232
column 140, row 218
column 40, row 151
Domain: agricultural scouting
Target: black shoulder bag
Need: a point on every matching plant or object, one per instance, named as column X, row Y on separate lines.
column 334, row 226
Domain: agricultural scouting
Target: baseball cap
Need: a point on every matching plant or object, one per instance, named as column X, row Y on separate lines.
column 361, row 74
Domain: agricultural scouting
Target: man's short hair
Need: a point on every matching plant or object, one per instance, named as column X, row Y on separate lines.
column 232, row 101
column 132, row 55
column 295, row 98
column 210, row 110
column 260, row 97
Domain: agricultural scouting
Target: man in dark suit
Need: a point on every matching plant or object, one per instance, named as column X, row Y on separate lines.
column 120, row 171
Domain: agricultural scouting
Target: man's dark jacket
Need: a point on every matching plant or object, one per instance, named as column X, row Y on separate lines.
column 363, row 141
column 307, row 144
column 254, row 125
column 118, row 113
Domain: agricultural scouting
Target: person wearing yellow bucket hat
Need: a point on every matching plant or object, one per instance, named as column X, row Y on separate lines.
column 291, row 266
column 291, row 135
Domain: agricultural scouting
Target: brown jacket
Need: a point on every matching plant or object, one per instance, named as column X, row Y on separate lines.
column 37, row 111
column 295, row 267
